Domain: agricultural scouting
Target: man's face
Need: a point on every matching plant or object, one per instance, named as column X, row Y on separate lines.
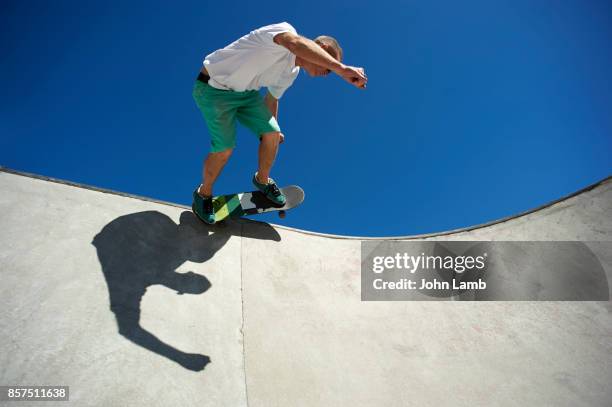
column 314, row 70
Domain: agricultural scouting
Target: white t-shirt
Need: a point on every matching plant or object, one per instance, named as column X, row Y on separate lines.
column 254, row 61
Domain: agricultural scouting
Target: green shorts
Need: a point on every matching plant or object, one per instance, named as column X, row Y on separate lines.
column 221, row 108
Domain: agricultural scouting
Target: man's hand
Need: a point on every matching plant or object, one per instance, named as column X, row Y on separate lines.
column 353, row 75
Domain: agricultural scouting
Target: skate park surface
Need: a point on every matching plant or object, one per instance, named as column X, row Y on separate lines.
column 132, row 301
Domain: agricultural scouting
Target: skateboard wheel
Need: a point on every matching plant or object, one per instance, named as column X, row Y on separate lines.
column 281, row 214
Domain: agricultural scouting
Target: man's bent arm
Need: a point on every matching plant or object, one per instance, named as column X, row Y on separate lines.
column 309, row 50
column 272, row 104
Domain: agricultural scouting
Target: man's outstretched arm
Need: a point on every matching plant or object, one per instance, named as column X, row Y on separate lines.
column 312, row 52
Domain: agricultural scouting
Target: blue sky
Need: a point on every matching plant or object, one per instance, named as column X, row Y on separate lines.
column 474, row 110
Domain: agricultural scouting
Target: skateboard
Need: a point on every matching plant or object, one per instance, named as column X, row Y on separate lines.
column 254, row 202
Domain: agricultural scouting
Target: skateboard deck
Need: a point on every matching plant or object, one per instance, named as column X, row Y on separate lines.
column 254, row 202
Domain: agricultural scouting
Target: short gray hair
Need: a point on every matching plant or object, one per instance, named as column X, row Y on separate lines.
column 332, row 43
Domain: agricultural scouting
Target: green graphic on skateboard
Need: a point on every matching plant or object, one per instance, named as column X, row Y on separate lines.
column 254, row 202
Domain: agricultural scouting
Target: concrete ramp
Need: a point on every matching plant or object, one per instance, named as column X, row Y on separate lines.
column 130, row 301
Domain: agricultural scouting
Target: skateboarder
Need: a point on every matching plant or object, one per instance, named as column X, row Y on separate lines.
column 227, row 90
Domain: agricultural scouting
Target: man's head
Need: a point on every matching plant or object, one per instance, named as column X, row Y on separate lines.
column 331, row 46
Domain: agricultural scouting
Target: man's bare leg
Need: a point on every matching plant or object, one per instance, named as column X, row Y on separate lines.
column 268, row 148
column 213, row 165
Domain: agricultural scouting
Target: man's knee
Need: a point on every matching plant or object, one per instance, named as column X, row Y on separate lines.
column 222, row 155
column 271, row 136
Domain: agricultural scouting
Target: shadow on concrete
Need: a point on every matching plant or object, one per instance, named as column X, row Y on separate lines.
column 145, row 248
